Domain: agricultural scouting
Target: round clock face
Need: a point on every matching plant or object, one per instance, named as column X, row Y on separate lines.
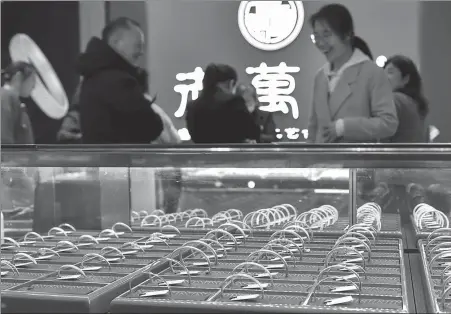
column 270, row 25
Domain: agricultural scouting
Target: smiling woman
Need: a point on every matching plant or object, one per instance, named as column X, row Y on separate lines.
column 352, row 99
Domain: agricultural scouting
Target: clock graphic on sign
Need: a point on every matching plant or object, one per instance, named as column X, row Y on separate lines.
column 270, row 25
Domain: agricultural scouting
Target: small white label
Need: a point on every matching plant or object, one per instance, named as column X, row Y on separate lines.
column 274, row 266
column 343, row 289
column 103, row 239
column 48, row 237
column 146, row 246
column 154, row 293
column 84, row 244
column 156, row 241
column 233, row 243
column 191, row 272
column 69, row 249
column 278, row 258
column 168, row 236
column 70, row 277
column 357, row 246
column 337, row 301
column 355, row 253
column 91, row 268
column 43, row 257
column 200, row 264
column 212, row 256
column 4, row 273
column 255, row 286
column 173, row 282
column 240, row 237
column 9, row 247
column 23, row 264
column 265, row 275
column 27, row 242
column 120, row 233
column 346, row 277
column 352, row 267
column 114, row 259
column 134, row 252
column 354, row 260
column 245, row 297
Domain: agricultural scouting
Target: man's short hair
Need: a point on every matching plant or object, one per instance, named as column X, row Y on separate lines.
column 121, row 23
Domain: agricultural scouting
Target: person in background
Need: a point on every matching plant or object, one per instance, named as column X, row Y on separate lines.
column 411, row 104
column 113, row 108
column 18, row 80
column 219, row 115
column 352, row 97
column 264, row 119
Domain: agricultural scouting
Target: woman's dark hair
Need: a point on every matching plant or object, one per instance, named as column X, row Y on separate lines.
column 242, row 88
column 359, row 43
column 217, row 73
column 25, row 68
column 337, row 17
column 414, row 87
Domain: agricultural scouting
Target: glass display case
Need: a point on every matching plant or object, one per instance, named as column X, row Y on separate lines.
column 275, row 228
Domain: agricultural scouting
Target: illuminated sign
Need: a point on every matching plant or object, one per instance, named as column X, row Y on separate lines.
column 270, row 25
column 274, row 86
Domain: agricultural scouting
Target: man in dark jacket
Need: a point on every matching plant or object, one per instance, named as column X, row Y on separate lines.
column 113, row 108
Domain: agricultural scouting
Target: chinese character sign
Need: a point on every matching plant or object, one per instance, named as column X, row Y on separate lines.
column 274, row 86
column 185, row 89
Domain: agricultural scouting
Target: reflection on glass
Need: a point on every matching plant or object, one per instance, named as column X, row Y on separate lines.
column 95, row 198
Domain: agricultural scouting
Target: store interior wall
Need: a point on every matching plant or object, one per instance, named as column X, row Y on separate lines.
column 435, row 51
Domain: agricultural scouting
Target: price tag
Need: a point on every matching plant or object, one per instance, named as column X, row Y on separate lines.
column 255, row 286
column 120, row 233
column 103, row 239
column 357, row 246
column 168, row 236
column 278, row 258
column 200, row 264
column 352, row 267
column 4, row 273
column 240, row 237
column 274, row 266
column 133, row 252
column 265, row 275
column 355, row 253
column 48, row 237
column 70, row 277
column 173, row 282
column 349, row 277
column 146, row 246
column 233, row 243
column 156, row 241
column 27, row 242
column 354, row 260
column 343, row 289
column 114, row 259
column 191, row 272
column 69, row 249
column 154, row 293
column 91, row 268
column 85, row 244
column 23, row 264
column 245, row 297
column 9, row 247
column 212, row 256
column 43, row 257
column 338, row 301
